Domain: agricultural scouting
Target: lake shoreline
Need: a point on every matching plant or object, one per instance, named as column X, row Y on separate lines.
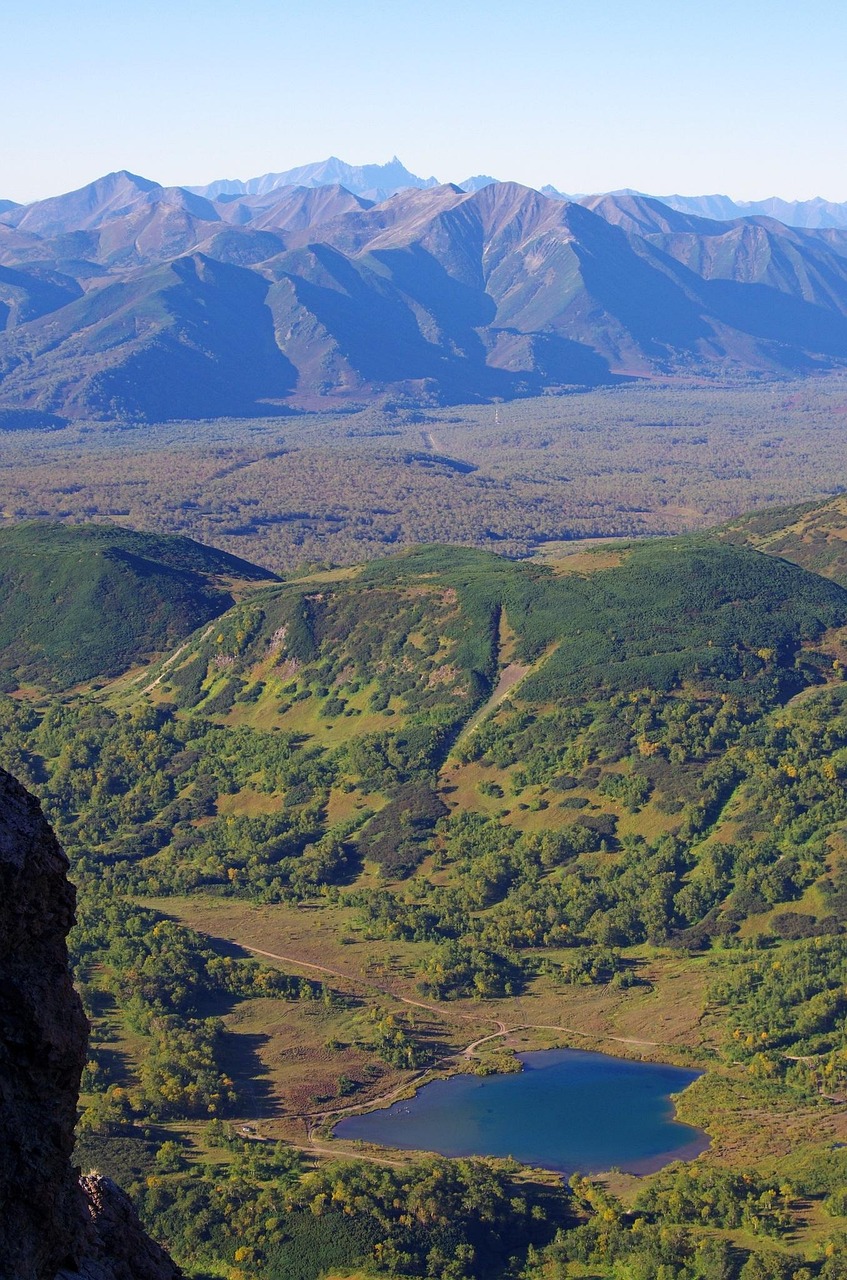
column 566, row 1111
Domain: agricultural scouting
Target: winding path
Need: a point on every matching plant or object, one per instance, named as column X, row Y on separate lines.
column 314, row 1119
column 571, row 1031
column 348, row 977
column 468, row 1052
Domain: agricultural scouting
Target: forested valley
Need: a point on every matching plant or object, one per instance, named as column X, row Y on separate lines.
column 338, row 833
column 631, row 461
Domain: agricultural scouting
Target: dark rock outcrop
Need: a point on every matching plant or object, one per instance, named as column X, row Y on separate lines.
column 51, row 1222
column 43, row 1035
column 117, row 1247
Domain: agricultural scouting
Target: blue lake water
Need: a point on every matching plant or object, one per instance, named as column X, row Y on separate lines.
column 566, row 1110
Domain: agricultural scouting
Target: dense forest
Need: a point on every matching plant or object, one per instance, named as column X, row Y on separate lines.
column 629, row 461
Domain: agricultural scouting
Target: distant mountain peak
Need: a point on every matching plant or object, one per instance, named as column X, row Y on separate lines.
column 374, row 181
column 553, row 193
column 119, row 180
column 109, row 196
column 478, row 182
column 144, row 184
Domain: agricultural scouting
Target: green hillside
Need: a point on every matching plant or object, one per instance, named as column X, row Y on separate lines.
column 421, row 814
column 351, row 695
column 79, row 602
column 673, row 610
column 811, row 534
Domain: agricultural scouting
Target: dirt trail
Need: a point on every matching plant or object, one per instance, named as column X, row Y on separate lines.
column 510, row 676
column 172, row 659
column 314, row 1120
column 571, row 1031
column 316, row 1148
column 348, row 977
column 446, row 1014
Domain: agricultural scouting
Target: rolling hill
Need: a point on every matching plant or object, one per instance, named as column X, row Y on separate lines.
column 86, row 601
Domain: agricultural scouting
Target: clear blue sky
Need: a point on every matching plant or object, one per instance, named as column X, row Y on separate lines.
column 747, row 98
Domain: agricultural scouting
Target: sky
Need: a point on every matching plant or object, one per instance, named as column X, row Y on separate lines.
column 744, row 98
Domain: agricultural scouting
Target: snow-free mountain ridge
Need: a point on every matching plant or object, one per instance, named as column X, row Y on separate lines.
column 378, row 182
column 126, row 299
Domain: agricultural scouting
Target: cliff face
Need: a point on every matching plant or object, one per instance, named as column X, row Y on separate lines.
column 43, row 1035
column 51, row 1222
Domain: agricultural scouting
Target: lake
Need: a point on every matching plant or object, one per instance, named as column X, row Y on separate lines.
column 567, row 1110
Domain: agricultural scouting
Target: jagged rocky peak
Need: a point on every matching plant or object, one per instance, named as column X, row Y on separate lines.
column 52, row 1223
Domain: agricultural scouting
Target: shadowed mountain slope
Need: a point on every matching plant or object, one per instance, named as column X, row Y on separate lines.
column 130, row 300
column 80, row 601
column 190, row 339
column 27, row 295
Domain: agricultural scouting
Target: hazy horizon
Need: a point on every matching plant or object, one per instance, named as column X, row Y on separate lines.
column 285, row 167
column 737, row 100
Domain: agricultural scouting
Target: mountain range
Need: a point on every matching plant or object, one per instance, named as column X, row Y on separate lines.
column 131, row 300
column 373, row 181
column 379, row 181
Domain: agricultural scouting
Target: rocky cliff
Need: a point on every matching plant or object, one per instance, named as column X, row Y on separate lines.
column 52, row 1223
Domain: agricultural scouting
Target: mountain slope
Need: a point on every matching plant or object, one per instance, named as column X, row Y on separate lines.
column 291, row 208
column 26, row 295
column 189, row 339
column 89, row 600
column 161, row 303
column 355, row 695
column 744, row 250
column 677, row 610
column 813, row 535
